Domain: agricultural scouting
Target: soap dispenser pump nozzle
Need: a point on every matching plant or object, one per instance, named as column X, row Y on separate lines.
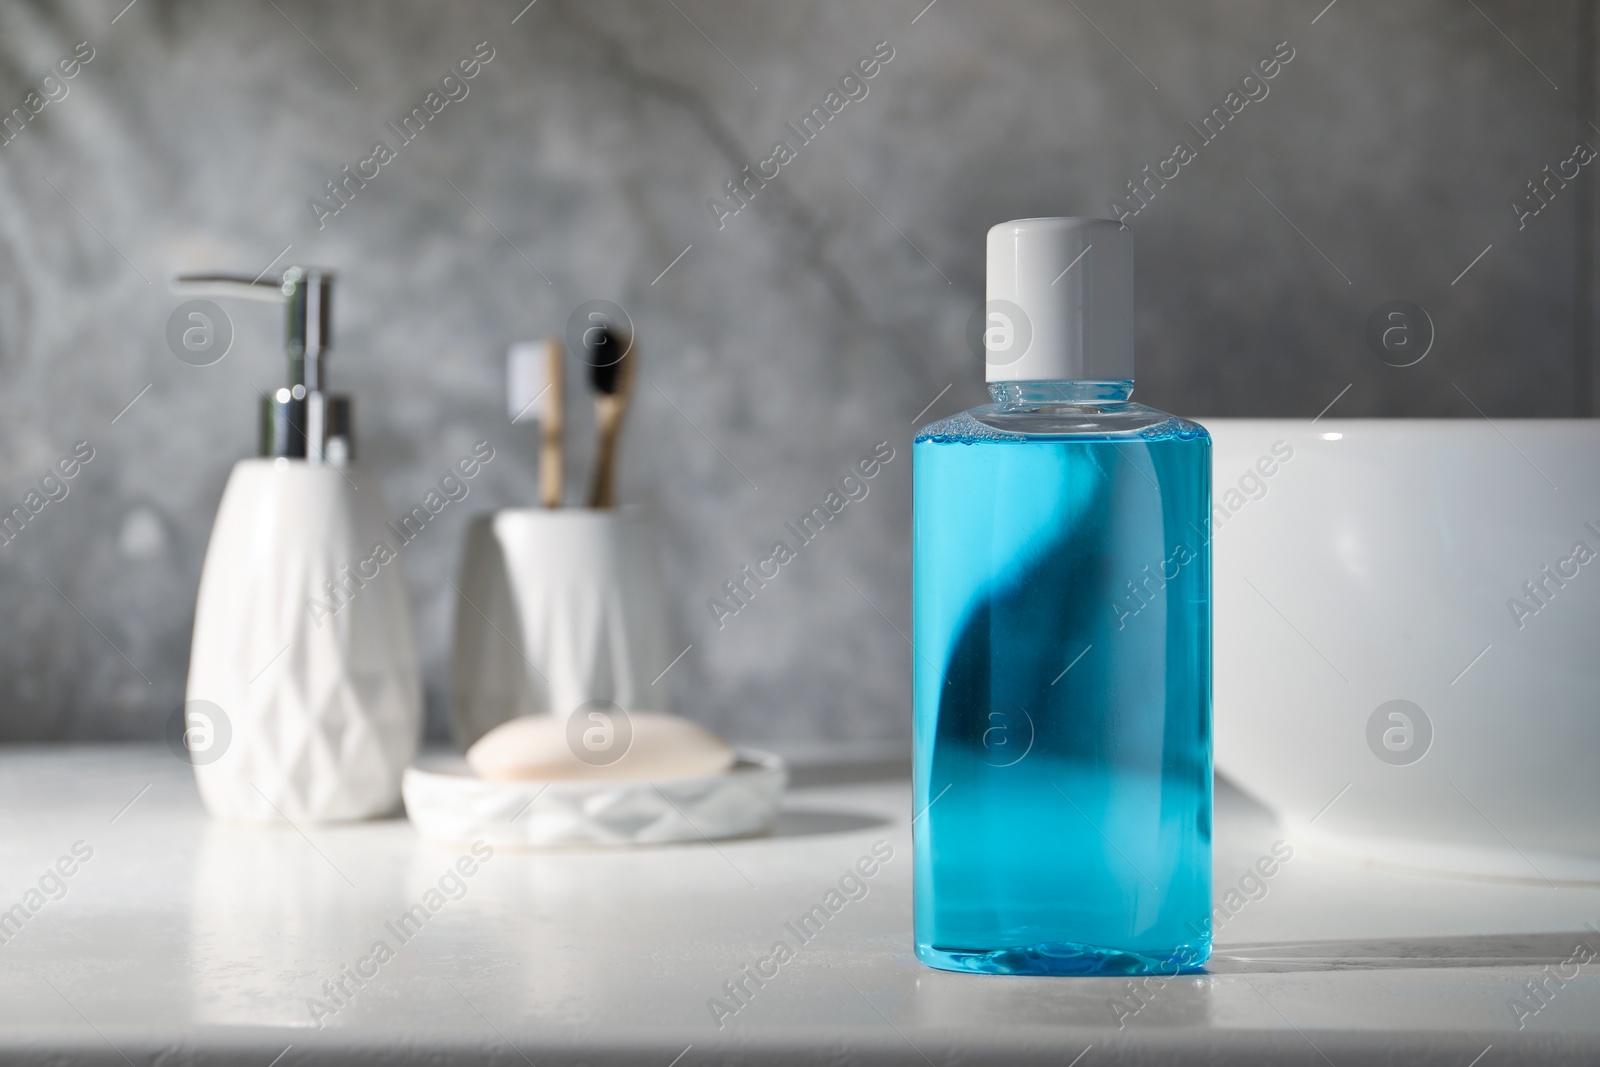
column 300, row 419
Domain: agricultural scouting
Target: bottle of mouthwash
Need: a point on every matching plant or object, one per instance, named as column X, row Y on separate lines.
column 1062, row 638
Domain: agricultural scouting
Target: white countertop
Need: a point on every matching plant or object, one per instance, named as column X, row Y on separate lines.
column 181, row 940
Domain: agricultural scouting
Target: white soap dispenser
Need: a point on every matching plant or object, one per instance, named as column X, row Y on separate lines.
column 303, row 701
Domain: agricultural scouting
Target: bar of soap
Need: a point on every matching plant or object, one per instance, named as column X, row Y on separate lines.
column 596, row 746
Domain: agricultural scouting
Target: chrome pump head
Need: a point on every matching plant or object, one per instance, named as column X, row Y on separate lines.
column 301, row 419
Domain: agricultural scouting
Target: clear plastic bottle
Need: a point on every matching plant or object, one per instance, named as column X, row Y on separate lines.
column 1062, row 633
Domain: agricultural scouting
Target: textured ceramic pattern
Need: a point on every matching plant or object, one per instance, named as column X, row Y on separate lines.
column 448, row 804
column 323, row 711
column 557, row 608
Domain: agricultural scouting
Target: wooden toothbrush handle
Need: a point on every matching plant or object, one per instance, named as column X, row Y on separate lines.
column 608, row 412
column 552, row 461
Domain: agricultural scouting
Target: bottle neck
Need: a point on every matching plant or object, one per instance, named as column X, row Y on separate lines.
column 1063, row 391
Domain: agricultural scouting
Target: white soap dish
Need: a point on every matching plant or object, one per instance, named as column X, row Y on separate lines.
column 446, row 802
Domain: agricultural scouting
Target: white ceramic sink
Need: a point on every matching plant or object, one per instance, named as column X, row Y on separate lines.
column 1363, row 562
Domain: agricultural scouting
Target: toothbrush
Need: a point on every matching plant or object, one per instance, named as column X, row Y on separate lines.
column 534, row 391
column 611, row 375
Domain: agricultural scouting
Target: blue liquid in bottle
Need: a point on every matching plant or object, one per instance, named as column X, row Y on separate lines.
column 1062, row 685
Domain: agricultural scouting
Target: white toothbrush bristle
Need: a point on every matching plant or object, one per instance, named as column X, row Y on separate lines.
column 527, row 380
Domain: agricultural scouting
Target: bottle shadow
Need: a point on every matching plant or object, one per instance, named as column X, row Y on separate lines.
column 884, row 768
column 814, row 822
column 1404, row 953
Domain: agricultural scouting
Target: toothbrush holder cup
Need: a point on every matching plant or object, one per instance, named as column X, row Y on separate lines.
column 557, row 607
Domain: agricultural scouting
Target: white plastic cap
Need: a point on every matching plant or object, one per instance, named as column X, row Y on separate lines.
column 1060, row 301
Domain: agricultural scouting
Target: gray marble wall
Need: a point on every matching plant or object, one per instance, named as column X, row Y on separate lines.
column 778, row 344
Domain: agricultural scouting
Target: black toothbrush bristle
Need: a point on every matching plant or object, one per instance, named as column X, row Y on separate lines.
column 605, row 364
